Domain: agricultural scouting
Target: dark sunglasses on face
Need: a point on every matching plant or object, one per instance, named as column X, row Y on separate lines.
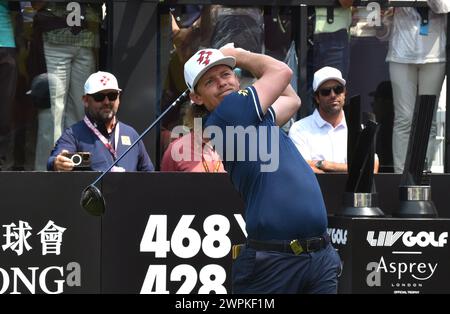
column 100, row 96
column 338, row 89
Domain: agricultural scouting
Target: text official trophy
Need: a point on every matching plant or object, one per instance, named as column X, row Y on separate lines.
column 360, row 197
column 415, row 190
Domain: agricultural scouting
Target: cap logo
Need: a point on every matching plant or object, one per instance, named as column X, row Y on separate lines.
column 204, row 57
column 104, row 80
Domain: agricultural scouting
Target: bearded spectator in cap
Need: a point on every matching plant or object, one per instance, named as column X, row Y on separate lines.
column 100, row 133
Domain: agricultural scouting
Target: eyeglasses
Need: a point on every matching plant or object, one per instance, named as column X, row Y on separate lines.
column 338, row 89
column 100, row 96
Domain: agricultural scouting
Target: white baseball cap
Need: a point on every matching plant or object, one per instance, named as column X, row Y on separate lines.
column 326, row 74
column 99, row 81
column 201, row 62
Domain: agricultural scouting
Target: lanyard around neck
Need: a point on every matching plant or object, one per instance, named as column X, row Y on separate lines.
column 102, row 138
column 204, row 163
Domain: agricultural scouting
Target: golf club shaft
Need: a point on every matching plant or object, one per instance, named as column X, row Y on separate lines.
column 182, row 98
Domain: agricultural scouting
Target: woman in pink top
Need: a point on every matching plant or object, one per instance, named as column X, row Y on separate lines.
column 190, row 153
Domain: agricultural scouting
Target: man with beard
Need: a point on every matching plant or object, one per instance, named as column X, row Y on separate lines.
column 99, row 133
column 321, row 137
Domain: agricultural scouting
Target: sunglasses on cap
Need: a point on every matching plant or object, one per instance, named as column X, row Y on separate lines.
column 100, row 96
column 338, row 89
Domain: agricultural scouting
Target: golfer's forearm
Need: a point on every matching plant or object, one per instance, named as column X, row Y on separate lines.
column 286, row 105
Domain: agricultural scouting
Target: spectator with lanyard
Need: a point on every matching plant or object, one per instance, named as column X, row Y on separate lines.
column 100, row 133
column 288, row 249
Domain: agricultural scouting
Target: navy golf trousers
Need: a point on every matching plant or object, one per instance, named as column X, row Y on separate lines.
column 277, row 272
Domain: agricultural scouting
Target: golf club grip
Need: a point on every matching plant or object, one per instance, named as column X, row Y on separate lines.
column 182, row 98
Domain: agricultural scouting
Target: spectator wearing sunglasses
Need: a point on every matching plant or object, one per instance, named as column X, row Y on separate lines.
column 321, row 137
column 100, row 133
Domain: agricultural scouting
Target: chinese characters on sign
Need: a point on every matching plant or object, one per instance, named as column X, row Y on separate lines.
column 16, row 237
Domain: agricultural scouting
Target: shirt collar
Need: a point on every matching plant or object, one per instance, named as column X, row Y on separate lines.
column 321, row 122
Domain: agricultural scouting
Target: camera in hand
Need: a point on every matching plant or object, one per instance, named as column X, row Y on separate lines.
column 81, row 160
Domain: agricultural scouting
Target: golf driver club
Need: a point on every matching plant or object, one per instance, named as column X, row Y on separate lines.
column 91, row 198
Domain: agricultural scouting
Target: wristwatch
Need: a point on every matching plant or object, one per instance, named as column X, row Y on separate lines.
column 319, row 164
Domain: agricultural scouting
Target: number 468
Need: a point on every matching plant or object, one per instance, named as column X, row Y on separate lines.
column 157, row 229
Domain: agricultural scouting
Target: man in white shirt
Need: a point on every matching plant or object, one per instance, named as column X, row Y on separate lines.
column 321, row 137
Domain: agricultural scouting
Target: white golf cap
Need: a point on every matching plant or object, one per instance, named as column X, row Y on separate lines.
column 201, row 62
column 326, row 74
column 99, row 81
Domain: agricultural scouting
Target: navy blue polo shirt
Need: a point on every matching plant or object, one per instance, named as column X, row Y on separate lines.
column 284, row 200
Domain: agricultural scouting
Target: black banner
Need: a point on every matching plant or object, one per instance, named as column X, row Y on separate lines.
column 172, row 233
column 48, row 244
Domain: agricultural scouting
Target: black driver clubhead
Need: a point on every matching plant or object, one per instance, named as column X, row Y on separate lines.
column 92, row 201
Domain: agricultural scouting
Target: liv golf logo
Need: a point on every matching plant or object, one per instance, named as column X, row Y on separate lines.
column 409, row 239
